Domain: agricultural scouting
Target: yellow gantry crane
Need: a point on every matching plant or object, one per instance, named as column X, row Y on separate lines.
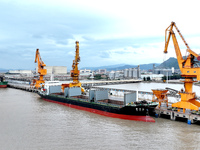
column 41, row 70
column 189, row 70
column 74, row 72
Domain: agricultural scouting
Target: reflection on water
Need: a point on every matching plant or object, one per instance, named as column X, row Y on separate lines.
column 28, row 122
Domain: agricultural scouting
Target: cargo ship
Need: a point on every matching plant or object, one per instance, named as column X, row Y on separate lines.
column 3, row 84
column 100, row 102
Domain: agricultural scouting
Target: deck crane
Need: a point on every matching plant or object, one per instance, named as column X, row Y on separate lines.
column 74, row 72
column 189, row 70
column 41, row 69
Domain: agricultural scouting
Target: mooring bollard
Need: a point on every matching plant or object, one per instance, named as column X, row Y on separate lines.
column 189, row 122
column 156, row 115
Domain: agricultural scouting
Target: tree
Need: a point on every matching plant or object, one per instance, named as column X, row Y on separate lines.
column 97, row 76
column 164, row 78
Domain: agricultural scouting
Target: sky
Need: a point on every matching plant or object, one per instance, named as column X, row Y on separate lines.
column 109, row 32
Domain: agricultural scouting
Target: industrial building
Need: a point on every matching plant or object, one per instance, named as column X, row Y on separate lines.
column 22, row 72
column 56, row 70
column 52, row 71
column 116, row 75
column 154, row 77
column 166, row 72
column 131, row 73
column 85, row 71
column 101, row 71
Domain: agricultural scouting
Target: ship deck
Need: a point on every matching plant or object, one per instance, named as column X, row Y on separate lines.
column 112, row 100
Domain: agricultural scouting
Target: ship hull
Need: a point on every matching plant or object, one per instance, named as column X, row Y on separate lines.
column 128, row 113
column 3, row 84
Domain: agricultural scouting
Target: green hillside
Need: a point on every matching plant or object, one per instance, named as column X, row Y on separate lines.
column 168, row 64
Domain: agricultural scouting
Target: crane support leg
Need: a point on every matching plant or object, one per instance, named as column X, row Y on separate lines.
column 76, row 85
column 187, row 105
column 195, row 102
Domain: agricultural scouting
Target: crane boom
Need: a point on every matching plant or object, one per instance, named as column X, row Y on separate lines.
column 41, row 69
column 187, row 65
column 176, row 46
column 75, row 72
column 187, row 68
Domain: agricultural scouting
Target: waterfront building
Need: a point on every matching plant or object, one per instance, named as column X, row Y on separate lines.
column 166, row 72
column 21, row 72
column 85, row 71
column 130, row 73
column 101, row 71
column 56, row 70
column 154, row 77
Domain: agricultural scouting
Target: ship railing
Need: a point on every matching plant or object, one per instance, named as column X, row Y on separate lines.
column 86, row 100
column 102, row 103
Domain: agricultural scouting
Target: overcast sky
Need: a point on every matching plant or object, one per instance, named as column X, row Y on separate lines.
column 109, row 31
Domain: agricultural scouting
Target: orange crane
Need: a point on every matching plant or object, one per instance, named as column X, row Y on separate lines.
column 74, row 72
column 189, row 70
column 41, row 70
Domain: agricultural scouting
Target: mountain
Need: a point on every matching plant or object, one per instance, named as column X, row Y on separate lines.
column 3, row 70
column 123, row 66
column 148, row 66
column 168, row 64
column 142, row 67
column 104, row 67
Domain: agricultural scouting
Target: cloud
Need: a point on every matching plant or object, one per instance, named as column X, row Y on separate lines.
column 104, row 55
column 130, row 32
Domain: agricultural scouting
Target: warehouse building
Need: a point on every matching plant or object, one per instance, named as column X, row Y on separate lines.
column 56, row 70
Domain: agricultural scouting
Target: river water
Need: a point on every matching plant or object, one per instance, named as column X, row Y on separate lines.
column 29, row 123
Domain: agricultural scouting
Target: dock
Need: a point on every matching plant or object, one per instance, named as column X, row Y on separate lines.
column 24, row 87
column 164, row 111
column 108, row 82
column 188, row 117
column 88, row 84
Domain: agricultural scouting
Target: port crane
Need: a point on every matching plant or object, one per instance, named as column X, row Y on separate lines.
column 41, row 70
column 189, row 70
column 74, row 72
